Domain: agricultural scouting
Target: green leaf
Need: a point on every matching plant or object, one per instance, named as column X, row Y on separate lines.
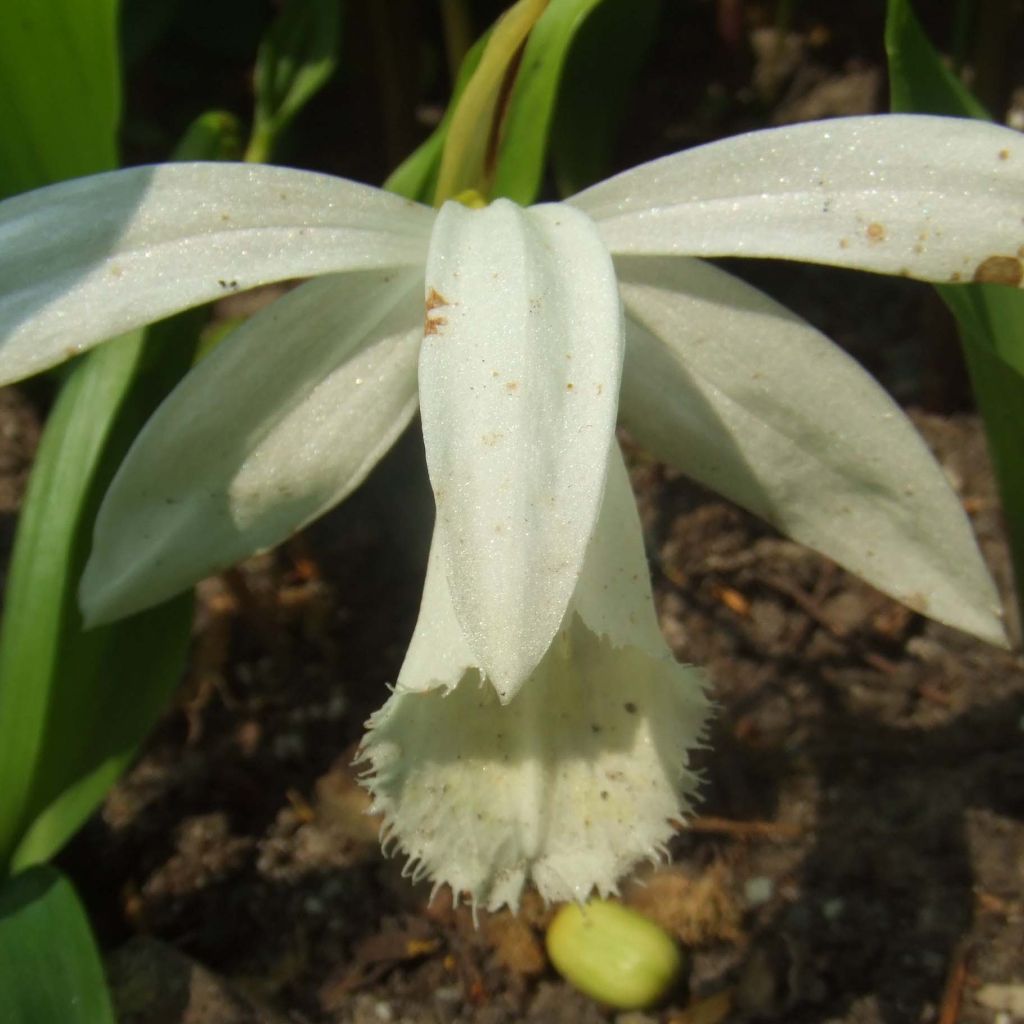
column 74, row 704
column 59, row 90
column 522, row 149
column 999, row 392
column 525, row 121
column 470, row 151
column 295, row 59
column 991, row 318
column 416, row 176
column 608, row 52
column 50, row 970
column 919, row 82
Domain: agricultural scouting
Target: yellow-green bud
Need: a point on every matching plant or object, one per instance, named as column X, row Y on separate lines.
column 613, row 954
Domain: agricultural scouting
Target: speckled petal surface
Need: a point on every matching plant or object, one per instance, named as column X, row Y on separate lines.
column 935, row 198
column 519, row 379
column 613, row 596
column 744, row 396
column 285, row 417
column 438, row 655
column 87, row 259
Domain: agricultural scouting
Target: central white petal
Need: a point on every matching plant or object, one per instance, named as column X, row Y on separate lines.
column 519, row 380
column 574, row 780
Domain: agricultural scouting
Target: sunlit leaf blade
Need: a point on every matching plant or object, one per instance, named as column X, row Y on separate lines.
column 50, row 971
column 416, row 176
column 59, row 91
column 991, row 318
column 609, row 49
column 531, row 107
column 295, row 59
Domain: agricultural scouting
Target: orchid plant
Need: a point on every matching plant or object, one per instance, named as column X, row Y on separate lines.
column 539, row 728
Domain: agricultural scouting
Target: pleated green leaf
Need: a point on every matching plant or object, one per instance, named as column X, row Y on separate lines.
column 991, row 317
column 50, row 971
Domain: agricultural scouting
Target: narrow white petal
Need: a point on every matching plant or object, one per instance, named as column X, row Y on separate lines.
column 282, row 420
column 569, row 785
column 927, row 197
column 87, row 259
column 438, row 654
column 519, row 378
column 614, row 596
column 744, row 396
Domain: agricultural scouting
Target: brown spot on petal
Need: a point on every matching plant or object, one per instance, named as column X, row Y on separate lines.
column 876, row 232
column 512, row 386
column 1000, row 270
column 433, row 323
column 1004, row 154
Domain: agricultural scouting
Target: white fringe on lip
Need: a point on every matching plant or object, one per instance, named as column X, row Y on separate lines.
column 576, row 780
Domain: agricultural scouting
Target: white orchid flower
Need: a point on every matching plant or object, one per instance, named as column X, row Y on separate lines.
column 574, row 779
column 517, row 371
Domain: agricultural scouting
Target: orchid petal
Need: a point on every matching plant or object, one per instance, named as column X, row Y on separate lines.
column 934, row 198
column 279, row 423
column 614, row 595
column 570, row 784
column 438, row 654
column 744, row 396
column 519, row 377
column 87, row 259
